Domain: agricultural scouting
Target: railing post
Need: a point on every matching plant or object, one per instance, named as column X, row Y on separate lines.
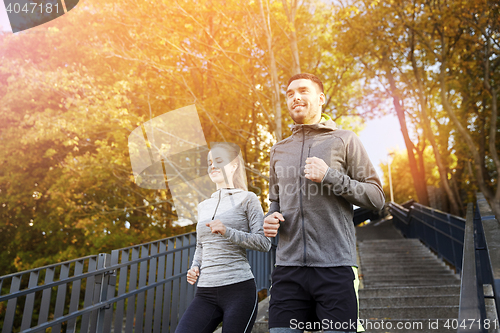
column 102, row 282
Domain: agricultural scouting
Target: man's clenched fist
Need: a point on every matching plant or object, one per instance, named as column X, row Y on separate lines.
column 315, row 169
column 272, row 224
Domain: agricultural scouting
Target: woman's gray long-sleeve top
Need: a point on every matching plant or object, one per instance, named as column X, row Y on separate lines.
column 222, row 258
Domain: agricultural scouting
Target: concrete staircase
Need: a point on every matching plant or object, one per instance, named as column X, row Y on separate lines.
column 406, row 288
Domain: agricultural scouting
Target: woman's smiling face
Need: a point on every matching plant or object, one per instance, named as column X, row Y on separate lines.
column 220, row 167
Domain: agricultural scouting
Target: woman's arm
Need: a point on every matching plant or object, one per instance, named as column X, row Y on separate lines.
column 198, row 255
column 255, row 239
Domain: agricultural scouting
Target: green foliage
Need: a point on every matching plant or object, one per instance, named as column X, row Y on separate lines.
column 73, row 89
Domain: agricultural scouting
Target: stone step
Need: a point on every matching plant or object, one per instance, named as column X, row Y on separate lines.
column 400, row 261
column 387, row 247
column 400, row 249
column 394, row 268
column 402, row 283
column 394, row 241
column 405, row 301
column 408, row 276
column 453, row 289
column 414, row 249
column 403, row 257
column 413, row 312
column 409, row 279
column 406, row 268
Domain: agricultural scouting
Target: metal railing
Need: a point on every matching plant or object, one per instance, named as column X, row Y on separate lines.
column 471, row 245
column 442, row 232
column 481, row 268
column 135, row 289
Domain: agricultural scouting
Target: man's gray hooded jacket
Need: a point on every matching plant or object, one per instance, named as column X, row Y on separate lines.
column 318, row 229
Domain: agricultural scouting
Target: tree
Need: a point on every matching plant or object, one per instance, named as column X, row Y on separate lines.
column 434, row 56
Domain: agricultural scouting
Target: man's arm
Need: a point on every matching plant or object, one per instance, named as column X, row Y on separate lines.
column 360, row 185
column 273, row 188
column 273, row 218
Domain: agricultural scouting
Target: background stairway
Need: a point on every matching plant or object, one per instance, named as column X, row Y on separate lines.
column 401, row 283
column 404, row 286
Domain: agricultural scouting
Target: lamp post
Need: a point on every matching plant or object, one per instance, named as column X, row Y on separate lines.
column 390, row 177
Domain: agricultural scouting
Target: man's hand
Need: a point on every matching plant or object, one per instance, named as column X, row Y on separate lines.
column 217, row 227
column 272, row 224
column 192, row 274
column 315, row 169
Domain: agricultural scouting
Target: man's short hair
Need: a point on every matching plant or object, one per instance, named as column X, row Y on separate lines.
column 307, row 76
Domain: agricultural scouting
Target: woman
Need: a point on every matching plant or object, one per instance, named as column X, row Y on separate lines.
column 229, row 222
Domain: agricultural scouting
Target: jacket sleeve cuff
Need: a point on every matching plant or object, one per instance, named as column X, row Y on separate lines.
column 229, row 233
column 324, row 176
column 331, row 177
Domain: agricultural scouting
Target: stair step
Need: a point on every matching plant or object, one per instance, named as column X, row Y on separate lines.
column 401, row 283
column 409, row 269
column 406, row 301
column 410, row 291
column 413, row 312
column 408, row 276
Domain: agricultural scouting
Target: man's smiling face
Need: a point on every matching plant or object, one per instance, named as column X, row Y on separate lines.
column 304, row 101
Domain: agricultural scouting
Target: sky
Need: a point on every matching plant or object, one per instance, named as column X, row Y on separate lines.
column 381, row 136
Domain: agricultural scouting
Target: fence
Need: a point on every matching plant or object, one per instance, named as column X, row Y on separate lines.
column 442, row 232
column 135, row 289
column 471, row 245
column 481, row 270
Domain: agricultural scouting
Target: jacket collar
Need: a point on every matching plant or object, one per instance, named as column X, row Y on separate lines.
column 328, row 125
column 224, row 192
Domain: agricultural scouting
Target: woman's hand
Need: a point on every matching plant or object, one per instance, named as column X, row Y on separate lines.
column 217, row 227
column 192, row 275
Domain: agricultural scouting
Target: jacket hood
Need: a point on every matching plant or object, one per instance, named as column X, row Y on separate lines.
column 328, row 125
column 224, row 192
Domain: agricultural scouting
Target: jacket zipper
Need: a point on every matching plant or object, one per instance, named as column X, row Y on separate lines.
column 300, row 195
column 218, row 202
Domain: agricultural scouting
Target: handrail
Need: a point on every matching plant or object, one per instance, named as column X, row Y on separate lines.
column 442, row 232
column 91, row 292
column 470, row 300
column 68, row 262
column 142, row 287
column 490, row 227
column 475, row 258
column 86, row 275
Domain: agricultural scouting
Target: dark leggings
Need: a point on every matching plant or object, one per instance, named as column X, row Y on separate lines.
column 235, row 305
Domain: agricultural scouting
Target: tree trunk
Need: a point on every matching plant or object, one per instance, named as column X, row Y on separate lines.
column 488, row 193
column 290, row 14
column 455, row 208
column 274, row 71
column 418, row 177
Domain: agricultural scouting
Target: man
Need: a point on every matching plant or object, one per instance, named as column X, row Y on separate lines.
column 316, row 175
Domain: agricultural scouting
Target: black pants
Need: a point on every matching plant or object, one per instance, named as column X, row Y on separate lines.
column 234, row 305
column 324, row 297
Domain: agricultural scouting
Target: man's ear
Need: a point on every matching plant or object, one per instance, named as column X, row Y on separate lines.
column 322, row 99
